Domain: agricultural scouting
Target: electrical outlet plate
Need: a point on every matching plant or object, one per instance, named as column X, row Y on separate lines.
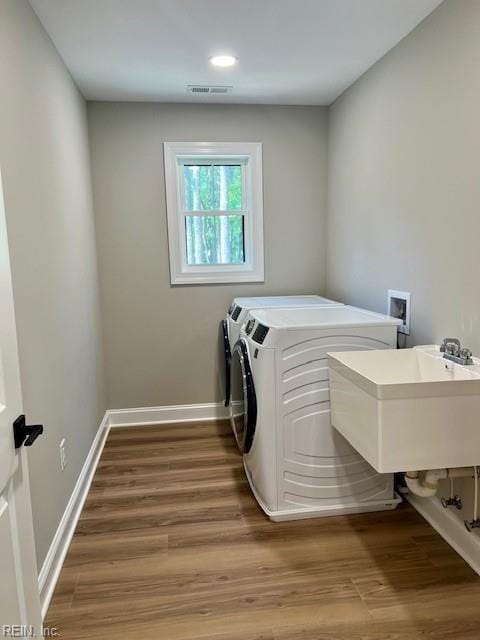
column 63, row 454
column 398, row 306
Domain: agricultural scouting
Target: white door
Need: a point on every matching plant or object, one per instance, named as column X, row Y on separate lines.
column 19, row 596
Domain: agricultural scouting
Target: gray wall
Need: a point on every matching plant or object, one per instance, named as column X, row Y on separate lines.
column 404, row 182
column 44, row 159
column 160, row 340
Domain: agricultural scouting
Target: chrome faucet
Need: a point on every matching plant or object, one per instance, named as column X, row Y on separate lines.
column 452, row 350
column 452, row 341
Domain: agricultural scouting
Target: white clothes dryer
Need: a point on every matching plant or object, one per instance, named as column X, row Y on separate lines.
column 238, row 311
column 297, row 464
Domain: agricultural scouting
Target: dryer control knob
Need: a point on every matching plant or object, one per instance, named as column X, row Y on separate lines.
column 249, row 327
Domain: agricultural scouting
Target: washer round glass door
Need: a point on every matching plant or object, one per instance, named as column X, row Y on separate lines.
column 243, row 403
column 225, row 359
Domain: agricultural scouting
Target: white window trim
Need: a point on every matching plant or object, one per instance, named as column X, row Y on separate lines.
column 250, row 155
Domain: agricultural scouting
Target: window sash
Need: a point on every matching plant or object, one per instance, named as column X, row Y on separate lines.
column 215, row 212
column 247, row 230
column 202, row 160
column 217, row 264
column 247, row 249
column 218, row 161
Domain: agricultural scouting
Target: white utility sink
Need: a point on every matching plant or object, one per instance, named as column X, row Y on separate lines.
column 407, row 409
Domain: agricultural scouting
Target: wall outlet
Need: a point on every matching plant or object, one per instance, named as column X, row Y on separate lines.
column 63, row 454
column 398, row 306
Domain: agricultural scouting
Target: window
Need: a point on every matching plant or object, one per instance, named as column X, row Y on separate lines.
column 215, row 211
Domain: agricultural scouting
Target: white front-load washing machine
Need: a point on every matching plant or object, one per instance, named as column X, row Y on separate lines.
column 297, row 464
column 230, row 327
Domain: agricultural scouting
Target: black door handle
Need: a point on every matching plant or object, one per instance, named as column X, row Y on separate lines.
column 25, row 434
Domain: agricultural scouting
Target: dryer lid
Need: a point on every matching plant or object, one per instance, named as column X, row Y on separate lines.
column 321, row 318
column 282, row 302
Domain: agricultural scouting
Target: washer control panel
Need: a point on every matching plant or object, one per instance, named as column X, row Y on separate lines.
column 249, row 326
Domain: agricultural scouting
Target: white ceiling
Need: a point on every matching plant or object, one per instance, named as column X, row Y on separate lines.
column 290, row 51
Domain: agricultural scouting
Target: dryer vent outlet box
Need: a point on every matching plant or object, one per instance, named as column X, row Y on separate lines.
column 399, row 307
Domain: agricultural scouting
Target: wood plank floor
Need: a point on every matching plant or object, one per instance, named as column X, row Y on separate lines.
column 172, row 546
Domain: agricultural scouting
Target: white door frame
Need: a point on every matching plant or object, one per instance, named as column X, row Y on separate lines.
column 16, row 496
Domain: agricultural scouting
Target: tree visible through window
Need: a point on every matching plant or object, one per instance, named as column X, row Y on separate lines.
column 214, row 239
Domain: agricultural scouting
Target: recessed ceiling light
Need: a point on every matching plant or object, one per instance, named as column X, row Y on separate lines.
column 223, row 61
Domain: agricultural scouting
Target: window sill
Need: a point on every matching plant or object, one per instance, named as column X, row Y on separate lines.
column 217, row 278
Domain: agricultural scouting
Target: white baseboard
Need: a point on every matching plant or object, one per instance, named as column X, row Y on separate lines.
column 144, row 416
column 450, row 527
column 53, row 563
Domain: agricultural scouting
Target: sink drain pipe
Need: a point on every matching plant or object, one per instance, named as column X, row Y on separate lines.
column 427, row 486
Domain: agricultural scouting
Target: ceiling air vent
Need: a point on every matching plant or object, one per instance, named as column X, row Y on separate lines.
column 206, row 89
